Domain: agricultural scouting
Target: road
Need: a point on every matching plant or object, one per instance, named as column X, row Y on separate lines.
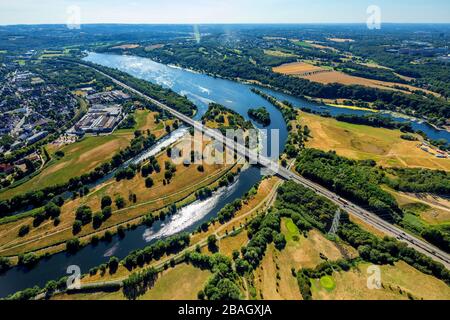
column 255, row 158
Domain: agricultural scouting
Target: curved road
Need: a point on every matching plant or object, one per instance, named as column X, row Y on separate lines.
column 254, row 158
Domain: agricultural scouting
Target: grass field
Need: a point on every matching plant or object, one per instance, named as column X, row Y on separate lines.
column 364, row 142
column 397, row 282
column 274, row 280
column 180, row 283
column 277, row 53
column 85, row 155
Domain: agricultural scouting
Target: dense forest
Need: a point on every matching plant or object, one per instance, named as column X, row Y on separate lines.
column 420, row 180
column 357, row 181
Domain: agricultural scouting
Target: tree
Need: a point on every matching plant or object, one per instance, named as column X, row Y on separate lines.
column 149, row 182
column 73, row 245
column 24, row 230
column 106, row 202
column 84, row 214
column 113, row 264
column 5, row 264
column 107, row 212
column 76, row 227
column 212, row 243
column 279, row 241
column 97, row 220
column 52, row 210
column 120, row 202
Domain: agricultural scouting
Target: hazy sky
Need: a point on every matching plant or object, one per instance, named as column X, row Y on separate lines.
column 222, row 11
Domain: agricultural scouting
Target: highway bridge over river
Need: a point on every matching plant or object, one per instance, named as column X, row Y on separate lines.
column 255, row 158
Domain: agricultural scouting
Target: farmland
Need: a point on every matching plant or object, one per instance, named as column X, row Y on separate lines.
column 363, row 142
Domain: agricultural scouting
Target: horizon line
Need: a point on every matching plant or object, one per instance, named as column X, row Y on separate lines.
column 223, row 23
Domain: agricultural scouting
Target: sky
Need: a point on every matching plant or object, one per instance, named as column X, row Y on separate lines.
column 220, row 11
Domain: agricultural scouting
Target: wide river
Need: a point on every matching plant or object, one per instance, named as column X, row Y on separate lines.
column 202, row 90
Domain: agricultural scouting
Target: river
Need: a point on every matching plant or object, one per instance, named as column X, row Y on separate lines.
column 200, row 89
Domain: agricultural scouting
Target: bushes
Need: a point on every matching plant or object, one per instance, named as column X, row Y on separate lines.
column 138, row 283
column 73, row 245
column 24, row 230
column 106, row 202
column 420, row 180
column 171, row 245
column 222, row 285
column 5, row 264
column 84, row 215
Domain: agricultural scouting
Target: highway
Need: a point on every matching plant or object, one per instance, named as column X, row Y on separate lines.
column 254, row 158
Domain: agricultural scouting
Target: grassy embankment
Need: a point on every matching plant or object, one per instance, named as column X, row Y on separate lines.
column 181, row 190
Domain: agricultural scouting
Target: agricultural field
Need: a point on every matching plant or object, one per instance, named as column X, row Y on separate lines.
column 361, row 142
column 345, row 79
column 298, row 68
column 278, row 53
column 399, row 282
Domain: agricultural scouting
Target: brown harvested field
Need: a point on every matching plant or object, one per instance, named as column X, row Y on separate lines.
column 345, row 79
column 297, row 68
column 186, row 181
column 397, row 282
column 360, row 142
column 273, row 279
